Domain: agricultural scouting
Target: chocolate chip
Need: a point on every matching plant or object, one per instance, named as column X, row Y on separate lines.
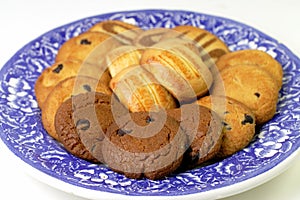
column 257, row 94
column 227, row 126
column 58, row 68
column 87, row 88
column 85, row 42
column 248, row 119
column 83, row 124
column 122, row 132
column 149, row 120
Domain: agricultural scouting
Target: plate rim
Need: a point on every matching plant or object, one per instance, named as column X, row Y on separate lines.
column 286, row 49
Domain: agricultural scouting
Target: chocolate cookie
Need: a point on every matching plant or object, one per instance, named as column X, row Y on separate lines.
column 252, row 86
column 144, row 144
column 81, row 122
column 64, row 90
column 255, row 58
column 204, row 130
column 239, row 124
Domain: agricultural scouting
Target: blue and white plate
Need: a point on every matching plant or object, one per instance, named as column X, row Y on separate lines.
column 270, row 152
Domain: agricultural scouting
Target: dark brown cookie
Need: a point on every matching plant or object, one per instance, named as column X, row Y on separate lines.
column 81, row 122
column 62, row 91
column 204, row 130
column 144, row 144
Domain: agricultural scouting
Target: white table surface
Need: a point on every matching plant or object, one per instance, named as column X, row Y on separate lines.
column 23, row 21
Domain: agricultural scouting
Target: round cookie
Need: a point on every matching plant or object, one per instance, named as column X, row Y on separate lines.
column 214, row 46
column 204, row 130
column 253, row 57
column 239, row 124
column 251, row 86
column 64, row 90
column 59, row 71
column 123, row 31
column 144, row 145
column 81, row 119
column 88, row 47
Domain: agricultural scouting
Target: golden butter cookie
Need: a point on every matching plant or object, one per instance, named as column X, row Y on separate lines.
column 123, row 57
column 252, row 86
column 59, row 71
column 138, row 90
column 253, row 57
column 213, row 45
column 64, row 90
column 238, row 120
column 88, row 47
column 179, row 70
column 123, row 31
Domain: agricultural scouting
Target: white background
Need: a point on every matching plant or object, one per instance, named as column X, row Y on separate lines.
column 22, row 21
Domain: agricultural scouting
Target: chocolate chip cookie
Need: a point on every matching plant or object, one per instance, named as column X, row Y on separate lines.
column 143, row 144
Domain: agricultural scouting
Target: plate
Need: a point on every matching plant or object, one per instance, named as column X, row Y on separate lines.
column 271, row 151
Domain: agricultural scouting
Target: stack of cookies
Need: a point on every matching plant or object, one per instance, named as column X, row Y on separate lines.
column 150, row 102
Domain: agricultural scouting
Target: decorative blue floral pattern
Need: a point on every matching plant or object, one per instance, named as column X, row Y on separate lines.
column 22, row 132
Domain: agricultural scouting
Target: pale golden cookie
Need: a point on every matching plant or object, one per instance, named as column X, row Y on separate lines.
column 88, row 47
column 123, row 31
column 64, row 90
column 59, row 71
column 214, row 46
column 238, row 120
column 252, row 86
column 253, row 57
column 138, row 90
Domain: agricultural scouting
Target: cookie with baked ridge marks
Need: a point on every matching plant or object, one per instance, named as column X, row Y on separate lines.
column 122, row 31
column 204, row 39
